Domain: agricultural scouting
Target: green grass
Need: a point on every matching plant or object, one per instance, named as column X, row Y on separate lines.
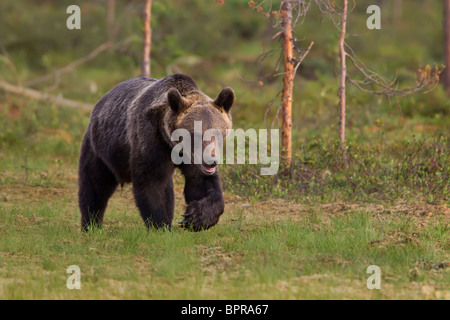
column 307, row 233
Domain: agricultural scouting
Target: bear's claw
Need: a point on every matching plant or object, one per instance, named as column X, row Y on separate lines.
column 195, row 218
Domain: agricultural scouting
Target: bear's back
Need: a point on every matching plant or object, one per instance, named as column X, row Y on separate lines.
column 128, row 118
column 107, row 129
column 119, row 98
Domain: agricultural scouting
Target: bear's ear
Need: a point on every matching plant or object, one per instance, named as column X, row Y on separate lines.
column 176, row 101
column 225, row 99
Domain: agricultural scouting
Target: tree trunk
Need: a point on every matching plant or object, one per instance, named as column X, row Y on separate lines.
column 147, row 39
column 397, row 11
column 288, row 81
column 342, row 97
column 446, row 75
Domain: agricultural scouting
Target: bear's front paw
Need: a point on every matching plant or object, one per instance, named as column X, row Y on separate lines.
column 202, row 215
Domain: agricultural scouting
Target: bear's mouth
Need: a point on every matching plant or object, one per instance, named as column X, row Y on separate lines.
column 208, row 169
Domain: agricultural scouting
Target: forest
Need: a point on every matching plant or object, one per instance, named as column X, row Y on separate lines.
column 361, row 98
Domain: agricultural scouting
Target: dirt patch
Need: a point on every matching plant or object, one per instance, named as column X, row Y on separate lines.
column 415, row 209
column 280, row 209
column 237, row 207
column 396, row 238
column 214, row 260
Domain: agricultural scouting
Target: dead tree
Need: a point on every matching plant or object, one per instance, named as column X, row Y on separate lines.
column 397, row 11
column 426, row 80
column 147, row 39
column 288, row 80
column 110, row 17
column 289, row 14
column 342, row 87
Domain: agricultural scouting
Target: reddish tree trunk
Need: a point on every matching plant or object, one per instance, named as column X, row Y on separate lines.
column 147, row 39
column 288, row 81
column 446, row 75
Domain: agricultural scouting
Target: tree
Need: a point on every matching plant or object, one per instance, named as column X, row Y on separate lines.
column 110, row 16
column 343, row 79
column 446, row 75
column 288, row 80
column 291, row 62
column 426, row 80
column 147, row 39
column 397, row 11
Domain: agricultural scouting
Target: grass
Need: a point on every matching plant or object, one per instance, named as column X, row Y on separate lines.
column 307, row 233
column 259, row 250
column 408, row 169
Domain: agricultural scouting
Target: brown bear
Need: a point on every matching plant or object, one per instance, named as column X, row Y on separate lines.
column 129, row 140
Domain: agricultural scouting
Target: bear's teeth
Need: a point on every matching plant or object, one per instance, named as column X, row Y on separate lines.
column 209, row 170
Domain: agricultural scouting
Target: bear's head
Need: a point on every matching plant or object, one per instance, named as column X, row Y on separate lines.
column 206, row 121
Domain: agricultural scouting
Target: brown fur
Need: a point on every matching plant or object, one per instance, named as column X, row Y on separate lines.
column 128, row 140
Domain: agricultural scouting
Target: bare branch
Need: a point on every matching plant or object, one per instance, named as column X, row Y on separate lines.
column 66, row 69
column 426, row 81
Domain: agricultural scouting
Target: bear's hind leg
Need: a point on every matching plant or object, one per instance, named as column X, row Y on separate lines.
column 96, row 185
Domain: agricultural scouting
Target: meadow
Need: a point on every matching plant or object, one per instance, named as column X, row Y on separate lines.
column 273, row 249
column 311, row 236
